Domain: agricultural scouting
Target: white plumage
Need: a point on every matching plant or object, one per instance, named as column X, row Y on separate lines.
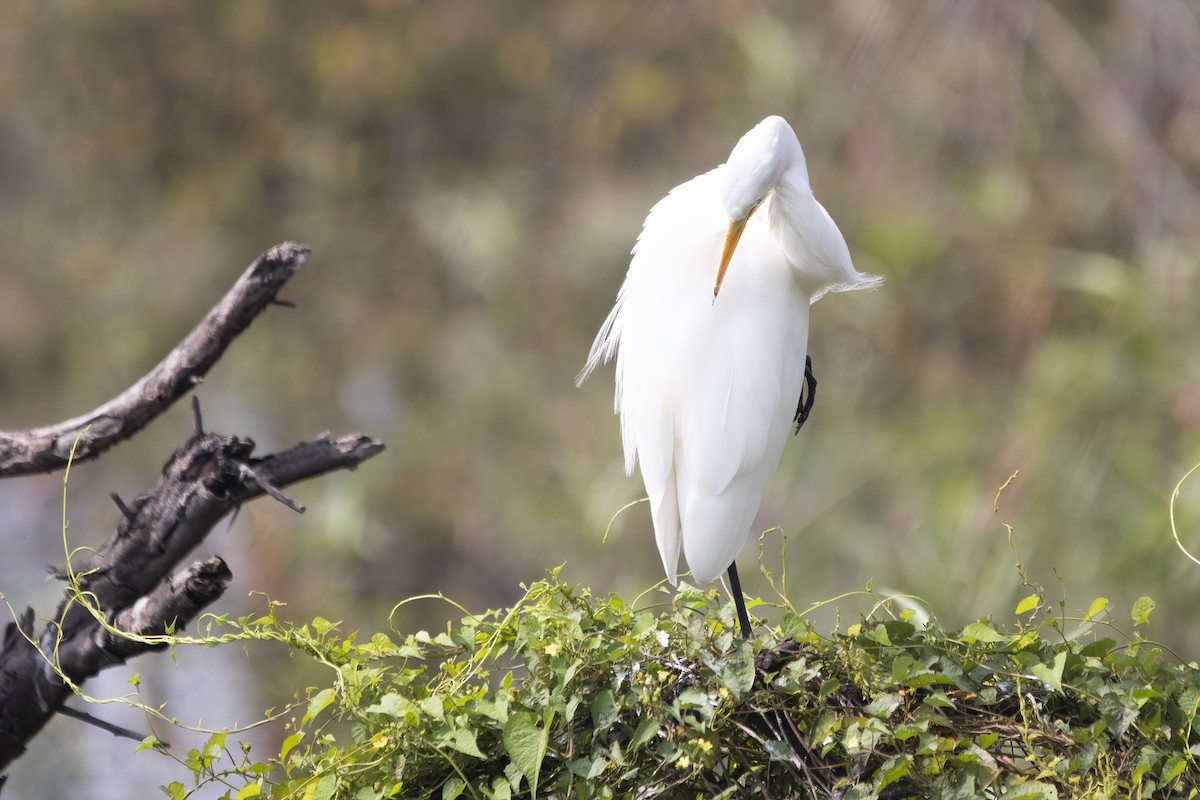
column 708, row 376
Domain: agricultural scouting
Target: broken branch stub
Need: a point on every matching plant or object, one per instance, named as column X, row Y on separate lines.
column 128, row 581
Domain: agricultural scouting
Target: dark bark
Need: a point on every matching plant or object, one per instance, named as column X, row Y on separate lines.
column 129, row 579
column 49, row 448
column 132, row 582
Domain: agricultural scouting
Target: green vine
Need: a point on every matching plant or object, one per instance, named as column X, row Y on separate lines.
column 569, row 694
column 572, row 694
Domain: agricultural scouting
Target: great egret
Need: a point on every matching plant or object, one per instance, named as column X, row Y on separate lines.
column 708, row 372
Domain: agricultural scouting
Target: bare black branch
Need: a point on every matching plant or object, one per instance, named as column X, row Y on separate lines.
column 48, row 449
column 132, row 589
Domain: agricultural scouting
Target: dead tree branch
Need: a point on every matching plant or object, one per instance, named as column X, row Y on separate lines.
column 132, row 589
column 129, row 579
column 48, row 449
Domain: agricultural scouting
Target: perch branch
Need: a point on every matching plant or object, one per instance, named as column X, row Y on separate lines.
column 48, row 449
column 126, row 579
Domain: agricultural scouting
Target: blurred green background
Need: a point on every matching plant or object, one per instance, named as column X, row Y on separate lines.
column 471, row 177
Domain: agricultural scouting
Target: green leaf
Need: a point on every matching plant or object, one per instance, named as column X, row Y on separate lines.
column 433, row 706
column 928, row 679
column 892, row 771
column 1119, row 712
column 463, row 740
column 938, row 699
column 779, row 751
column 962, row 788
column 495, row 708
column 215, row 745
column 325, row 787
column 148, row 743
column 1051, row 676
column 647, row 729
column 793, row 625
column 318, row 703
column 1189, row 701
column 1173, row 768
column 643, row 622
column 1033, row 790
column 453, row 787
column 604, row 711
column 903, row 667
column 568, row 711
column 737, row 670
column 859, row 791
column 1028, row 604
column 1098, row 648
column 288, row 744
column 981, row 632
column 1098, row 605
column 580, row 766
column 500, row 789
column 689, row 595
column 526, row 746
column 1141, row 610
column 249, row 790
column 393, row 705
column 884, row 705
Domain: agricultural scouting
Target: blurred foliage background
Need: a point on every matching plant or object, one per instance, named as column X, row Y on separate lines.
column 471, row 177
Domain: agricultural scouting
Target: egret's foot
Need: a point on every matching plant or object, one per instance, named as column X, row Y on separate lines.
column 735, row 587
column 804, row 406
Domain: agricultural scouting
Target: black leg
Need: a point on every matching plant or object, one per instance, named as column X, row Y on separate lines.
column 803, row 407
column 735, row 586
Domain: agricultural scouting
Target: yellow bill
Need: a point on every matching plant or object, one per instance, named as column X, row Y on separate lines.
column 732, row 236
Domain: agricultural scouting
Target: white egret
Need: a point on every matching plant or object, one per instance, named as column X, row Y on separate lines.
column 708, row 372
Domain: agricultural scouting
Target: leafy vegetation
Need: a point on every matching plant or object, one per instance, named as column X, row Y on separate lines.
column 471, row 177
column 569, row 694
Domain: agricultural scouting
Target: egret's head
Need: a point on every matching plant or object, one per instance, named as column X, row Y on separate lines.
column 753, row 169
column 756, row 164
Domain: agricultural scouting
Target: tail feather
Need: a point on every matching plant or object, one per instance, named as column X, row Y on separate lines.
column 667, row 531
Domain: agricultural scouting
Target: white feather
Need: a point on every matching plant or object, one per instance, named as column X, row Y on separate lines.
column 706, row 388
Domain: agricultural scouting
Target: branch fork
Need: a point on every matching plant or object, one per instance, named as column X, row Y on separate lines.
column 133, row 583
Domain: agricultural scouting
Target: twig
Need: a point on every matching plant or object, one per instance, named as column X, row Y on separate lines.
column 47, row 449
column 115, row 730
column 125, row 512
column 254, row 479
column 121, row 600
column 197, row 419
column 205, row 479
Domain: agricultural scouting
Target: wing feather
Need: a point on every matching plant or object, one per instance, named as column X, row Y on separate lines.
column 705, row 390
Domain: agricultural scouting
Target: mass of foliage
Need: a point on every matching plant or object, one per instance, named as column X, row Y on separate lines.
column 569, row 694
column 471, row 177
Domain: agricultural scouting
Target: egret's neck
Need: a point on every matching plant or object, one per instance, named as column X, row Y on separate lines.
column 811, row 241
column 791, row 207
column 791, row 198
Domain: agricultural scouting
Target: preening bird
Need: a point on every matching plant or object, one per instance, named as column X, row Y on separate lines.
column 711, row 364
